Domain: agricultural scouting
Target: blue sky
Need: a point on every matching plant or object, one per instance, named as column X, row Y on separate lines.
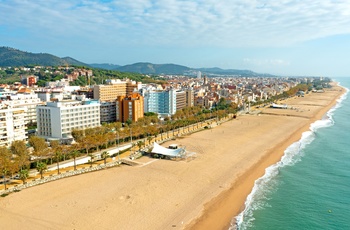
column 285, row 37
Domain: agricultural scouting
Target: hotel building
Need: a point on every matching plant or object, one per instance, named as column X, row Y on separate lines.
column 56, row 120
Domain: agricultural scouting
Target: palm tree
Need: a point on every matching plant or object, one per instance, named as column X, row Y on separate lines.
column 104, row 156
column 140, row 144
column 41, row 167
column 23, row 175
column 57, row 150
column 91, row 159
column 149, row 138
column 74, row 153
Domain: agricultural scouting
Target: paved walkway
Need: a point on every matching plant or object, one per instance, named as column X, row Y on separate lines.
column 83, row 161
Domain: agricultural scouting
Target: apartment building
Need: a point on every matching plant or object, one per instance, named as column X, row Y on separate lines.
column 180, row 99
column 26, row 99
column 12, row 124
column 189, row 97
column 57, row 119
column 114, row 88
column 108, row 112
column 130, row 107
column 161, row 102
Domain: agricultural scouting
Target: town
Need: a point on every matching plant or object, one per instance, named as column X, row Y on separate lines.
column 55, row 113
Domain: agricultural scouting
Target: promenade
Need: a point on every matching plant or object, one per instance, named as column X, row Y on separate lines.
column 126, row 156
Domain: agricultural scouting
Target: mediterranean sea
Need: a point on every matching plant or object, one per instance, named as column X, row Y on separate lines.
column 310, row 187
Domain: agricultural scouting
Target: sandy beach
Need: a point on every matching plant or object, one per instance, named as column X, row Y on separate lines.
column 203, row 193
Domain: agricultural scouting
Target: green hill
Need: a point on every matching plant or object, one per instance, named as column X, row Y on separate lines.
column 149, row 68
column 13, row 57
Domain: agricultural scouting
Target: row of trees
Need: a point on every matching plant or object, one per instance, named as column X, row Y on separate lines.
column 16, row 159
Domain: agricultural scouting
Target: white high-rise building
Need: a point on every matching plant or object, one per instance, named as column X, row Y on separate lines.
column 12, row 124
column 199, row 74
column 56, row 120
column 27, row 100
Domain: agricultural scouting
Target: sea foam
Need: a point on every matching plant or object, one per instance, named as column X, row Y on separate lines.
column 258, row 198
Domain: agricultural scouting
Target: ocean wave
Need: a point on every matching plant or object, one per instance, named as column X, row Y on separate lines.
column 258, row 198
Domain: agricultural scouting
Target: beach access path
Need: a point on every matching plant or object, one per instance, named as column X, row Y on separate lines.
column 204, row 193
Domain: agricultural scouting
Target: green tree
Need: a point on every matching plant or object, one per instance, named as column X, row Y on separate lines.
column 104, row 156
column 92, row 157
column 23, row 175
column 41, row 167
column 39, row 145
column 6, row 164
column 75, row 153
column 140, row 144
column 20, row 151
column 77, row 134
column 57, row 151
column 128, row 122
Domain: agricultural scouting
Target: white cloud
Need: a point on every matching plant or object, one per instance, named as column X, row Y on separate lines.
column 220, row 23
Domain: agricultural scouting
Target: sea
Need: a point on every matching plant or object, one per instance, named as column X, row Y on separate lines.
column 310, row 187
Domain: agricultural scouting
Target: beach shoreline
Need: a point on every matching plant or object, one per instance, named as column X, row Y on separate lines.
column 203, row 193
column 232, row 201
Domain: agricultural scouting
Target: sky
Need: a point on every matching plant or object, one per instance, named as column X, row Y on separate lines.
column 284, row 37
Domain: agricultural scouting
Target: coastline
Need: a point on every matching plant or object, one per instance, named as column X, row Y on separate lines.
column 204, row 193
column 221, row 211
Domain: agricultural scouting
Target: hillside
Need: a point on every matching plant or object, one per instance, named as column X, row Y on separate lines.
column 104, row 66
column 149, row 68
column 14, row 57
column 219, row 71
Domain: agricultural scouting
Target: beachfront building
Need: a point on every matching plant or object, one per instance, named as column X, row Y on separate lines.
column 161, row 102
column 57, row 119
column 129, row 108
column 12, row 124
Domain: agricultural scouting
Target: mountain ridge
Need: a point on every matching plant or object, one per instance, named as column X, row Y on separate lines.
column 13, row 57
